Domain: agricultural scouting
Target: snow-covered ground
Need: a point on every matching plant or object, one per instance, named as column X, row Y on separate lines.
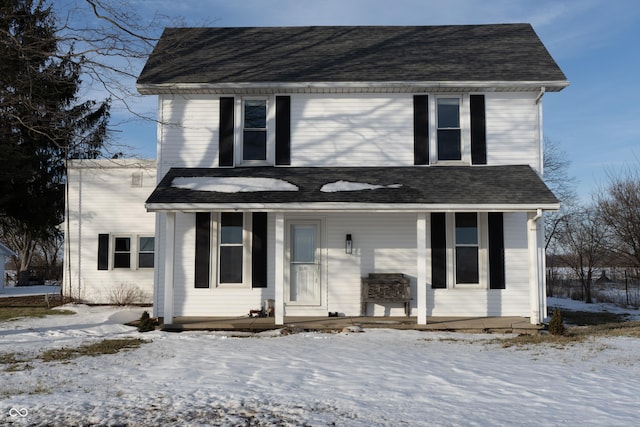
column 375, row 378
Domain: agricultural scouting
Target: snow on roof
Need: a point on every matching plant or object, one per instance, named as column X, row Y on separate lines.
column 232, row 184
column 335, row 187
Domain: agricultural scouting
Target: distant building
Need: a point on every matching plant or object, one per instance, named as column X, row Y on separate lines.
column 5, row 253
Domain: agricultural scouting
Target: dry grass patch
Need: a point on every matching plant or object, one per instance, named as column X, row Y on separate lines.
column 107, row 346
column 574, row 335
column 8, row 313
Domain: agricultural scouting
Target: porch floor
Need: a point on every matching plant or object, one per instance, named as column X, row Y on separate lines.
column 512, row 324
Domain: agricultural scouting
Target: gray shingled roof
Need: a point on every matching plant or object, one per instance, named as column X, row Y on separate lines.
column 455, row 53
column 435, row 185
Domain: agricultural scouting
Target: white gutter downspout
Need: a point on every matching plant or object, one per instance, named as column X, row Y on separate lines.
column 540, row 132
column 536, row 275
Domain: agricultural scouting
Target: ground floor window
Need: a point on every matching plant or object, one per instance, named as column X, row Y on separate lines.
column 467, row 248
column 122, row 252
column 125, row 251
column 459, row 249
column 146, row 250
column 231, row 248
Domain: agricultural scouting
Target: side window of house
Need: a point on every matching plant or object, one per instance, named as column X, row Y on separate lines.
column 466, row 248
column 231, row 247
column 254, row 137
column 122, row 252
column 146, row 249
column 448, row 120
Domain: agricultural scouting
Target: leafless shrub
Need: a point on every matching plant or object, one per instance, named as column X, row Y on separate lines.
column 128, row 294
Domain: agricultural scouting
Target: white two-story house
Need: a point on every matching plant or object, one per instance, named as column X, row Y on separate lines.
column 293, row 161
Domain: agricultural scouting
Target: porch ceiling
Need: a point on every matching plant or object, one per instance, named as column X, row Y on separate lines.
column 432, row 188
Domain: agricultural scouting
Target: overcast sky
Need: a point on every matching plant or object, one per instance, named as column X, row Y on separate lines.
column 596, row 120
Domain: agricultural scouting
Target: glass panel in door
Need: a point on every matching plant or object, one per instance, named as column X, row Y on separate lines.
column 304, row 282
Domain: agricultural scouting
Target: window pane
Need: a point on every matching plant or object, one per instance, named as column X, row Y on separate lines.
column 255, row 114
column 448, row 113
column 231, row 228
column 147, row 244
column 304, row 244
column 466, row 229
column 449, row 144
column 467, row 265
column 123, row 244
column 231, row 264
column 254, row 146
column 145, row 260
column 122, row 260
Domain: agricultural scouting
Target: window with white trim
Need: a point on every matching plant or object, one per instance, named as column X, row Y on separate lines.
column 467, row 248
column 231, row 248
column 122, row 252
column 146, row 250
column 254, row 130
column 449, row 136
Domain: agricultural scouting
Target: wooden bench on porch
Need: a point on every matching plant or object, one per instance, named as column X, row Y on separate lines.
column 385, row 288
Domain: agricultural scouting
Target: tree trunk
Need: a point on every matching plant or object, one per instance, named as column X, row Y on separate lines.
column 587, row 289
column 25, row 252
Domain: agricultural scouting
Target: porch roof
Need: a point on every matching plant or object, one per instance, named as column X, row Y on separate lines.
column 412, row 188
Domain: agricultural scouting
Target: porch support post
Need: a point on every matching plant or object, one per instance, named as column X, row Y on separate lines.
column 279, row 268
column 169, row 259
column 536, row 276
column 421, row 285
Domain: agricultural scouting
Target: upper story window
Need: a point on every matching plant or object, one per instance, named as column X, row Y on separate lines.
column 254, row 136
column 449, row 134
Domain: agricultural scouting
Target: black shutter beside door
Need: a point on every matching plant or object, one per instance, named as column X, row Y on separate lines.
column 496, row 251
column 259, row 250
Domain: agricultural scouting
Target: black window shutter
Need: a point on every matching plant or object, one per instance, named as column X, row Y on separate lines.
column 478, row 131
column 496, row 251
column 103, row 251
column 225, row 154
column 283, row 130
column 259, row 251
column 438, row 251
column 420, row 130
column 203, row 249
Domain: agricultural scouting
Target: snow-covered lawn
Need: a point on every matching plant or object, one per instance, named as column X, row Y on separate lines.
column 374, row 378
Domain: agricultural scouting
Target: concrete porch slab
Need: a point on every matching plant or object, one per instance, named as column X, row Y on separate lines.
column 511, row 324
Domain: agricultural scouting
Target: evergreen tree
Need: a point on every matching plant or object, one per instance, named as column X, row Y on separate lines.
column 42, row 124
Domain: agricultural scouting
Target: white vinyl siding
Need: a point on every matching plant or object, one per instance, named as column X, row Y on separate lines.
column 351, row 130
column 512, row 301
column 512, row 136
column 382, row 243
column 212, row 301
column 189, row 134
column 102, row 200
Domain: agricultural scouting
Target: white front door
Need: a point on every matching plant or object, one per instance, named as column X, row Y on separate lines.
column 304, row 263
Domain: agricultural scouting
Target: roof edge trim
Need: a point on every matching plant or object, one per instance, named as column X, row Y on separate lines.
column 346, row 207
column 152, row 89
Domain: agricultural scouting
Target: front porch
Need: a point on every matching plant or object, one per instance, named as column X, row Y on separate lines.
column 513, row 324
